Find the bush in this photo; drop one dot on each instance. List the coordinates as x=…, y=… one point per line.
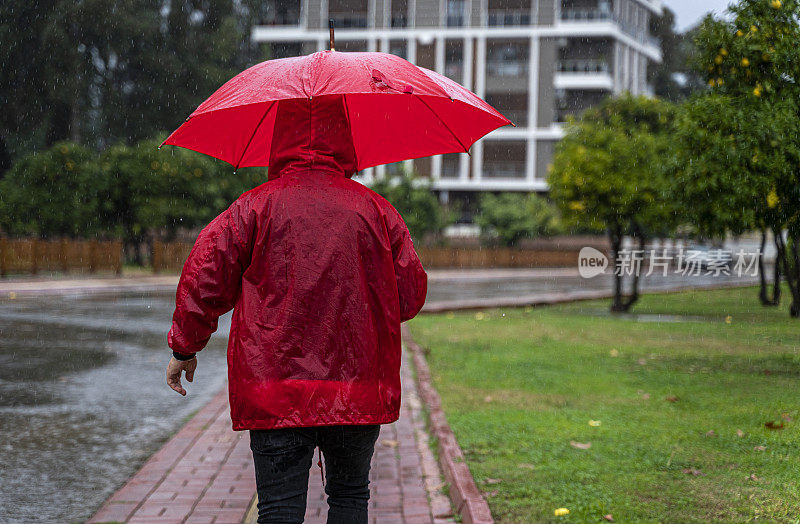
x=510, y=217
x=416, y=203
x=51, y=193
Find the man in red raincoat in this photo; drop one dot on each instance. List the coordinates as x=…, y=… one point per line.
x=320, y=271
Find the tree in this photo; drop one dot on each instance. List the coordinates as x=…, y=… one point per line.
x=514, y=216
x=149, y=192
x=752, y=64
x=673, y=79
x=53, y=193
x=608, y=172
x=416, y=203
x=102, y=72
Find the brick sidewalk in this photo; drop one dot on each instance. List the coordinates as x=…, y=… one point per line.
x=204, y=474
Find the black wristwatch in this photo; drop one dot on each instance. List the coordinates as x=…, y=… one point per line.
x=183, y=356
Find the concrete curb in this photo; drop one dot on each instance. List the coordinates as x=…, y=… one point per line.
x=464, y=494
x=560, y=297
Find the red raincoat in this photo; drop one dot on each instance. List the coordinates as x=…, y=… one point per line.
x=320, y=272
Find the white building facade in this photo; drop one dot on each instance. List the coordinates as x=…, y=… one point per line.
x=536, y=61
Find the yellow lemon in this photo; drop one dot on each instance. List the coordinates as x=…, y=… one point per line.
x=757, y=91
x=720, y=81
x=776, y=4
x=753, y=29
x=739, y=33
x=745, y=62
x=718, y=59
x=723, y=52
x=560, y=512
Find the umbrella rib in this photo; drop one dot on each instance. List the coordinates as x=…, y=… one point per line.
x=350, y=122
x=253, y=135
x=466, y=150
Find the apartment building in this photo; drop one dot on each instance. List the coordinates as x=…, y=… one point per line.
x=536, y=61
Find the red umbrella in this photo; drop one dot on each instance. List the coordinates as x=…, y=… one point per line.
x=395, y=110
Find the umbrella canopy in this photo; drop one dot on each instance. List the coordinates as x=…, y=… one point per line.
x=393, y=111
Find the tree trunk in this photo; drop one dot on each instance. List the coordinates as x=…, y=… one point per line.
x=790, y=259
x=615, y=239
x=762, y=275
x=619, y=302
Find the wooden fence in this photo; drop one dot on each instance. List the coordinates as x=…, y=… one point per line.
x=30, y=256
x=171, y=256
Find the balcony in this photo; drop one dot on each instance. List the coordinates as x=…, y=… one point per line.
x=509, y=17
x=586, y=14
x=510, y=69
x=604, y=14
x=584, y=65
x=504, y=169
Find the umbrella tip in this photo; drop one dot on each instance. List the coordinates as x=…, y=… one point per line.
x=512, y=123
x=330, y=28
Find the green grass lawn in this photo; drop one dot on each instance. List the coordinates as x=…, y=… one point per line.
x=682, y=403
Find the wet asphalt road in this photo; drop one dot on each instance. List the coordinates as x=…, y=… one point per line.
x=83, y=400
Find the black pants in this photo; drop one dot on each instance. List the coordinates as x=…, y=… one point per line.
x=283, y=459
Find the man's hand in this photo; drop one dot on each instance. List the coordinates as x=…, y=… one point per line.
x=174, y=370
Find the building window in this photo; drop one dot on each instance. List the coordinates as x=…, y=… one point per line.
x=455, y=13
x=348, y=13
x=279, y=12
x=454, y=60
x=508, y=59
x=399, y=48
x=503, y=13
x=399, y=13
x=451, y=165
x=504, y=159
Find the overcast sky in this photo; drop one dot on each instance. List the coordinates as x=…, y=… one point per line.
x=690, y=12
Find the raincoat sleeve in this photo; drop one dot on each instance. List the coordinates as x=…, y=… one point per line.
x=412, y=281
x=211, y=279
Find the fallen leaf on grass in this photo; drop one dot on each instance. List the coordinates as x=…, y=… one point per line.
x=692, y=471
x=773, y=425
x=608, y=517
x=493, y=481
x=646, y=396
x=487, y=398
x=760, y=448
x=526, y=466
x=490, y=493
x=711, y=433
x=614, y=353
x=595, y=423
x=642, y=361
x=671, y=398
x=739, y=433
x=580, y=445
x=560, y=512
x=786, y=417
x=753, y=477
x=390, y=443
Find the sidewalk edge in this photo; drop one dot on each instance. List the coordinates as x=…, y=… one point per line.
x=464, y=494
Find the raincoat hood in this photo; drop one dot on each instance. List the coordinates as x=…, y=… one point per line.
x=312, y=134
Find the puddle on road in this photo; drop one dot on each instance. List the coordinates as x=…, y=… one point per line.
x=83, y=399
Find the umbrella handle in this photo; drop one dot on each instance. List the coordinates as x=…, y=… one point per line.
x=330, y=27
